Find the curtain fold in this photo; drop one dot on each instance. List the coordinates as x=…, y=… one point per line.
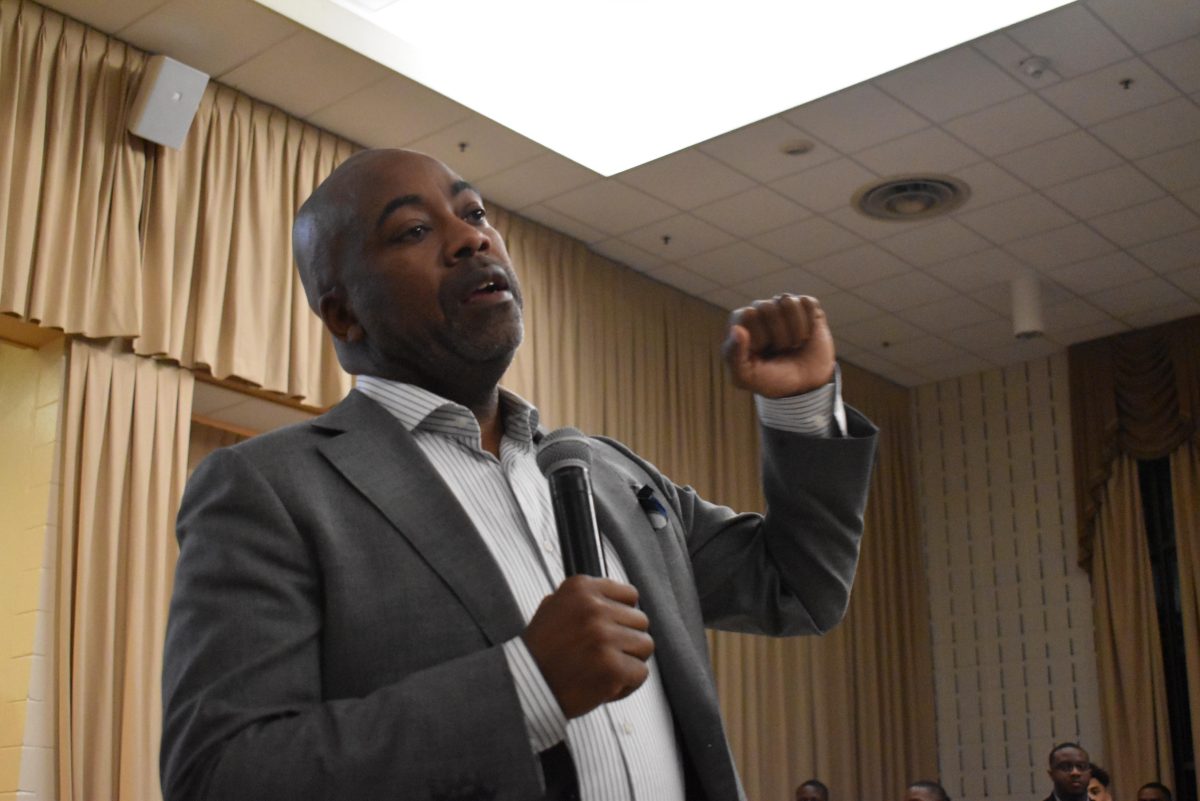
x=1185, y=489
x=1136, y=393
x=1133, y=695
x=126, y=423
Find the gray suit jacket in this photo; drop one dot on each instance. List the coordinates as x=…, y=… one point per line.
x=335, y=626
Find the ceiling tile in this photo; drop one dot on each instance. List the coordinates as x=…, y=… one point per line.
x=1008, y=54
x=686, y=179
x=806, y=240
x=1188, y=280
x=304, y=73
x=1102, y=192
x=1154, y=220
x=756, y=150
x=1093, y=275
x=1149, y=25
x=878, y=366
x=930, y=150
x=1191, y=199
x=922, y=351
x=107, y=17
x=1152, y=130
x=967, y=364
x=1098, y=96
x=792, y=279
x=1071, y=156
x=1180, y=63
x=1163, y=314
x=1022, y=350
x=984, y=335
x=857, y=266
x=753, y=212
x=999, y=297
x=844, y=308
x=611, y=206
x=214, y=36
x=1072, y=38
x=1149, y=293
x=1176, y=170
x=687, y=237
x=950, y=84
x=490, y=147
x=1011, y=125
x=564, y=223
x=869, y=227
x=622, y=252
x=390, y=113
x=939, y=241
x=533, y=181
x=1017, y=218
x=827, y=187
x=988, y=184
x=1171, y=253
x=1061, y=246
x=904, y=291
x=948, y=314
x=978, y=270
x=856, y=118
x=734, y=263
x=1087, y=333
x=727, y=298
x=682, y=279
x=874, y=331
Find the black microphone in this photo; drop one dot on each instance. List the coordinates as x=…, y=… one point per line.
x=565, y=458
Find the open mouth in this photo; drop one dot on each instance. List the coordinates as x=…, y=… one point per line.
x=492, y=288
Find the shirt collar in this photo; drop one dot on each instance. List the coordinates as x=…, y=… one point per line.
x=418, y=409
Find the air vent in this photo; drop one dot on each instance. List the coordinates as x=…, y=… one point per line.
x=911, y=197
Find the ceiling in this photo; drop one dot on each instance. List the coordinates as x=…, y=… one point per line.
x=1088, y=174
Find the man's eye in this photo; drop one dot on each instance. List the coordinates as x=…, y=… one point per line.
x=414, y=234
x=477, y=215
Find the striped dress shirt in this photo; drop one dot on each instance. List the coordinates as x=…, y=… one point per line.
x=624, y=750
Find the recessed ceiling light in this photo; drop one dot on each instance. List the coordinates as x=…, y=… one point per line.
x=614, y=85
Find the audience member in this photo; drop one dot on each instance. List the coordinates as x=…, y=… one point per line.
x=812, y=790
x=1100, y=785
x=1070, y=770
x=926, y=790
x=1153, y=791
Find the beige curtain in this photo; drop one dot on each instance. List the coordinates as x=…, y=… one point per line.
x=126, y=422
x=204, y=439
x=1133, y=695
x=1185, y=489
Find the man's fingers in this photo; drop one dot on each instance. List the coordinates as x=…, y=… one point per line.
x=779, y=333
x=797, y=313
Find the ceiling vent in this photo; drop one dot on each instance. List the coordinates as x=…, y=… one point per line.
x=911, y=197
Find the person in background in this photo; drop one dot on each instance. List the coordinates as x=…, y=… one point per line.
x=1099, y=786
x=1070, y=771
x=1154, y=791
x=812, y=790
x=926, y=790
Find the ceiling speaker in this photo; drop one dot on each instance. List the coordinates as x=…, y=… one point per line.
x=166, y=101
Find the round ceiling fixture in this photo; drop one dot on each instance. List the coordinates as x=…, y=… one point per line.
x=910, y=197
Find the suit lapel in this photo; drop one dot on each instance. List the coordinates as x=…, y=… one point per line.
x=382, y=461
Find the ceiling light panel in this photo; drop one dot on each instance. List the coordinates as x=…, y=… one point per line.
x=614, y=85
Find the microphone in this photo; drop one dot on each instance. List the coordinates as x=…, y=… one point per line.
x=565, y=458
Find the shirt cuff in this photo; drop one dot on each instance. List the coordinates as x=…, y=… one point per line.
x=544, y=719
x=818, y=413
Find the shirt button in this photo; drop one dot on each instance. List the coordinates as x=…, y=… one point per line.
x=628, y=727
x=548, y=545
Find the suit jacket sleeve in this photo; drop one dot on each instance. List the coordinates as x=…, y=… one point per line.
x=246, y=714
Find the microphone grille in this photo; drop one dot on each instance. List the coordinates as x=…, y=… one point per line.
x=563, y=447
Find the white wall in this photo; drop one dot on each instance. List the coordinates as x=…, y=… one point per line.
x=1015, y=668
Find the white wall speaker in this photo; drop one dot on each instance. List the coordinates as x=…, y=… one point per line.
x=166, y=101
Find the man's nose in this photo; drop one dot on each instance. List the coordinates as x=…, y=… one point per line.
x=465, y=241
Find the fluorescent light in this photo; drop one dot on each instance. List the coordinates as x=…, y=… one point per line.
x=616, y=84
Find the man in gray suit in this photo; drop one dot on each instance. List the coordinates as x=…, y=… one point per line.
x=371, y=605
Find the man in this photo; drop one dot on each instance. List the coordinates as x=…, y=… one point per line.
x=925, y=790
x=1099, y=786
x=371, y=605
x=812, y=790
x=1154, y=791
x=1070, y=770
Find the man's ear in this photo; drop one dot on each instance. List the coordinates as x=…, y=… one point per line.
x=338, y=317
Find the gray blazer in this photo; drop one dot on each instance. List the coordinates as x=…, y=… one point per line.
x=335, y=626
